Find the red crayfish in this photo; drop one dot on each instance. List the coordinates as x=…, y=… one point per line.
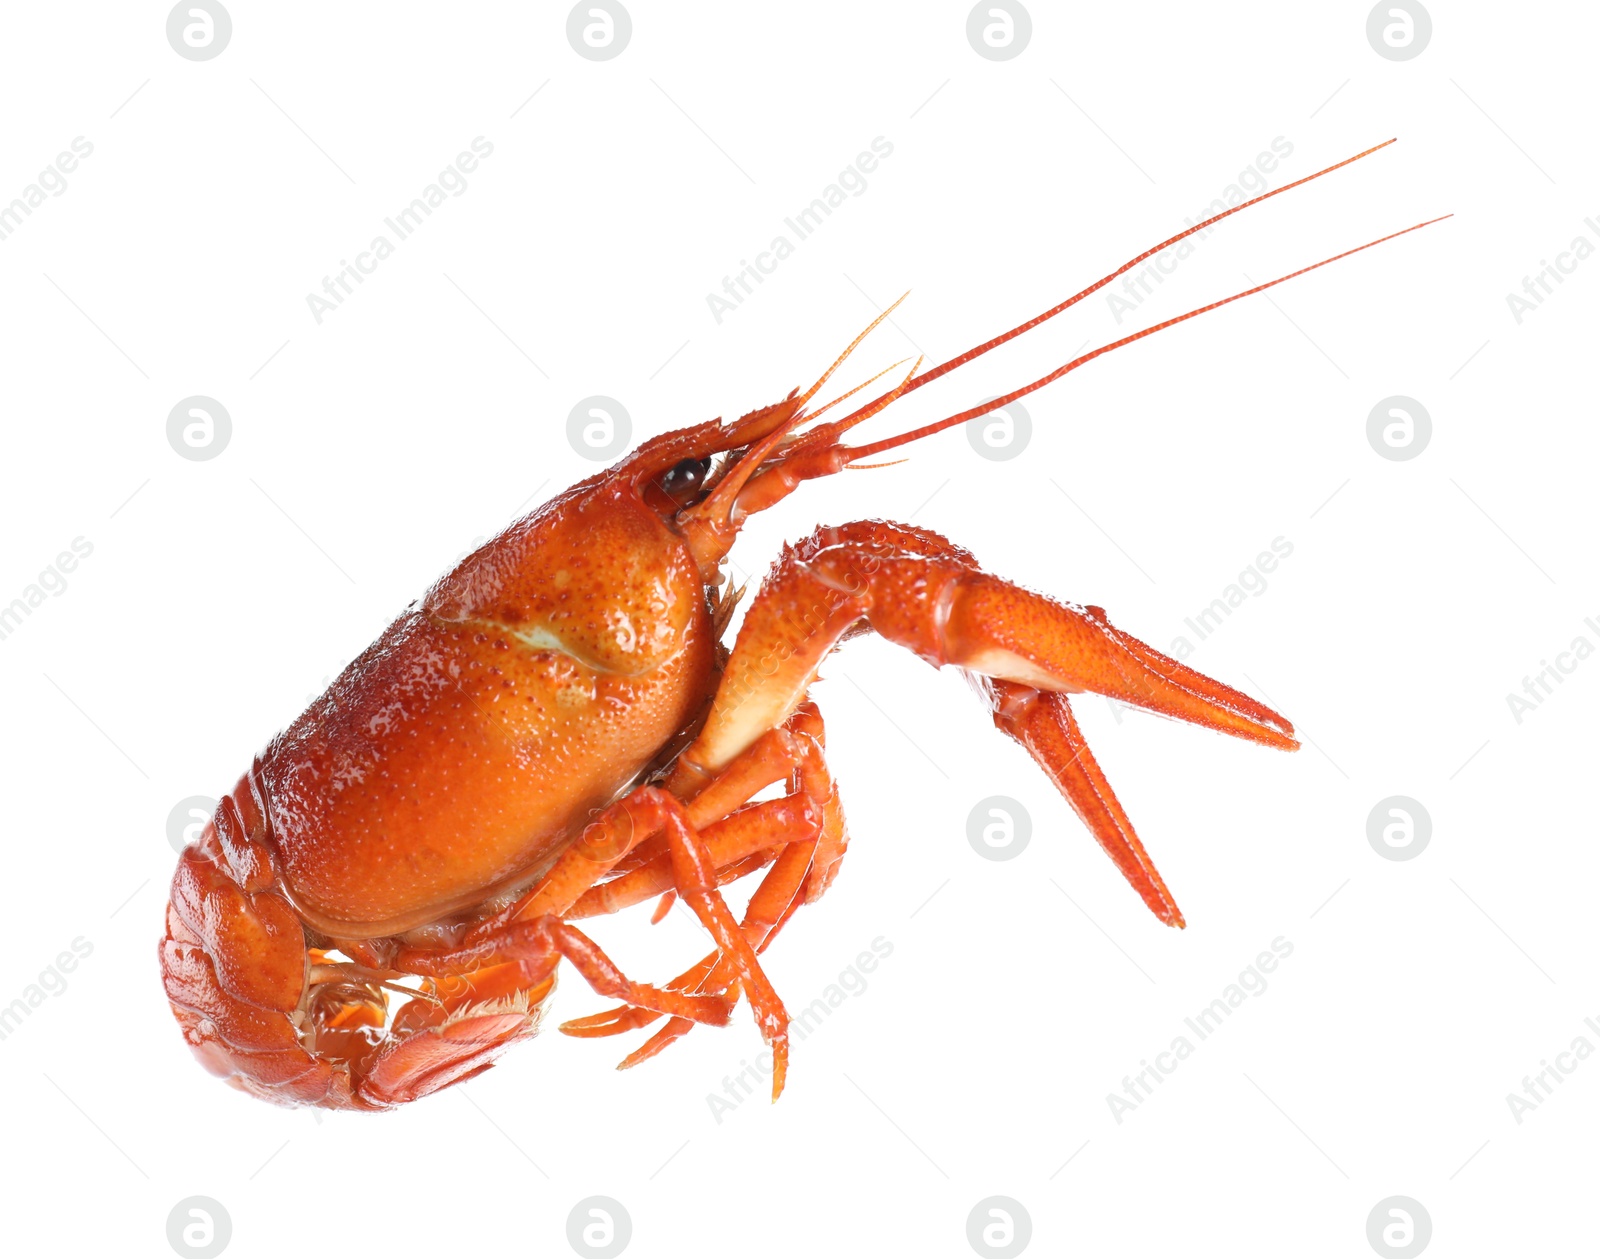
x=378, y=908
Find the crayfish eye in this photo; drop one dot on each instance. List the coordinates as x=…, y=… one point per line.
x=682, y=482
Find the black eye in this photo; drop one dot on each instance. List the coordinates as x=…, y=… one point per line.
x=683, y=482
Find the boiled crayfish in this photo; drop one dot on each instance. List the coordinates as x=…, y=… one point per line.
x=556, y=732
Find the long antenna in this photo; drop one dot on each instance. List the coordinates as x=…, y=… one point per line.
x=853, y=453
x=933, y=373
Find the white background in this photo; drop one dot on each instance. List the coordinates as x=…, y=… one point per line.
x=372, y=450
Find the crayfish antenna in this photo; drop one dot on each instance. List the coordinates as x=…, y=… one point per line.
x=765, y=428
x=712, y=524
x=778, y=461
x=876, y=376
x=818, y=452
x=709, y=524
x=851, y=453
x=851, y=348
x=949, y=365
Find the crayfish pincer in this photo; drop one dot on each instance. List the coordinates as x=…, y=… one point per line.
x=378, y=909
